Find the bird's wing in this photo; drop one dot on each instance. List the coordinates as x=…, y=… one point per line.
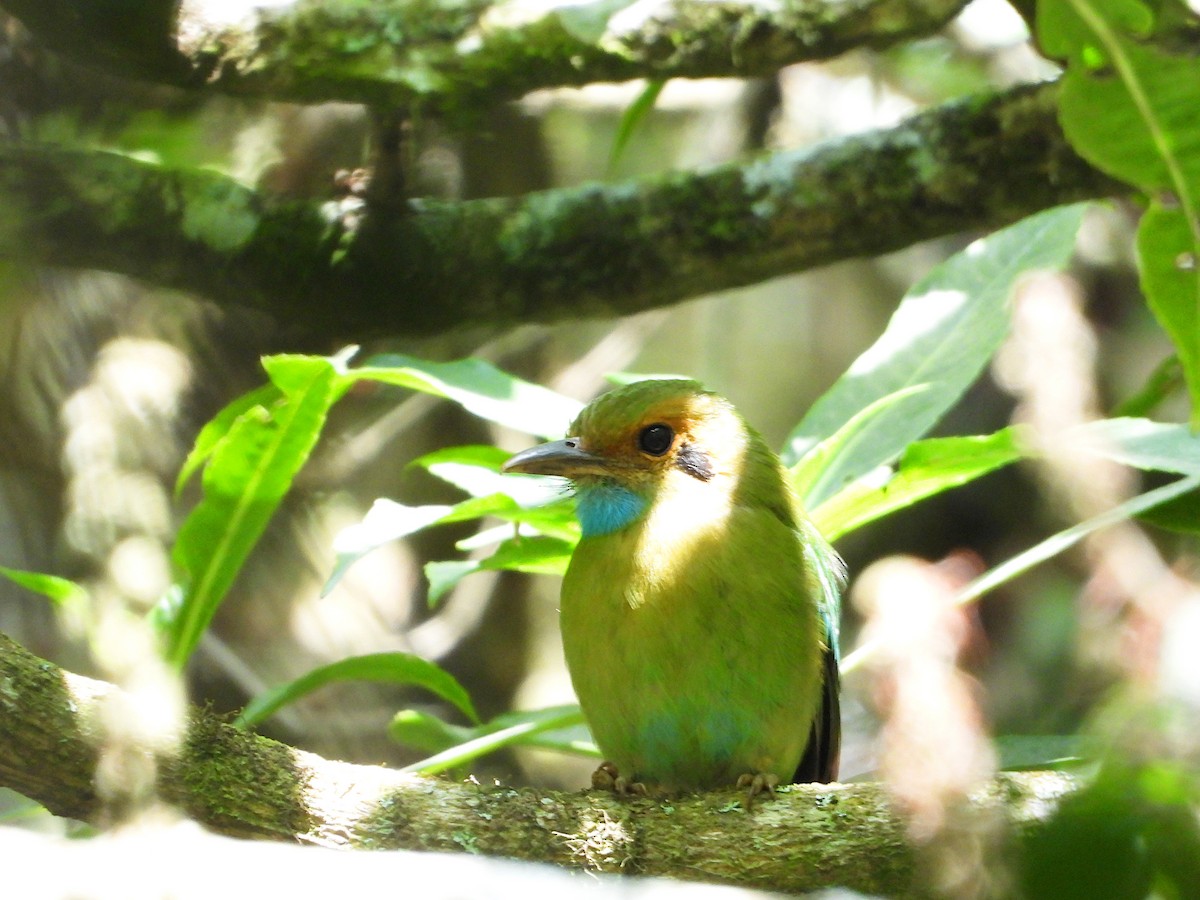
x=828, y=573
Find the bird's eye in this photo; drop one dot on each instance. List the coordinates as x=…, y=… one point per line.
x=656, y=439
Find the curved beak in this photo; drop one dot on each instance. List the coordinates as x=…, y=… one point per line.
x=565, y=458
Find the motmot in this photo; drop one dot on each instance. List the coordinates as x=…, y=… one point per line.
x=699, y=609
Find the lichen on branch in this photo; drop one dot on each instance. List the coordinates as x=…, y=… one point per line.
x=456, y=54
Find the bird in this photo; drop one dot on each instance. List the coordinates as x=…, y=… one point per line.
x=699, y=608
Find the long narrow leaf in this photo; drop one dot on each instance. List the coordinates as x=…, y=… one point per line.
x=1039, y=553
x=926, y=468
x=59, y=590
x=812, y=476
x=393, y=668
x=480, y=388
x=248, y=472
x=942, y=335
x=529, y=725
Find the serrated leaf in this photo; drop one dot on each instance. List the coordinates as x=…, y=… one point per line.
x=481, y=389
x=942, y=335
x=926, y=468
x=248, y=471
x=392, y=668
x=60, y=591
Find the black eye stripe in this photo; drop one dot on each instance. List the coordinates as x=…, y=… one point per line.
x=656, y=439
x=695, y=462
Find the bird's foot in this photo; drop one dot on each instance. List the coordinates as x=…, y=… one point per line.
x=608, y=778
x=757, y=783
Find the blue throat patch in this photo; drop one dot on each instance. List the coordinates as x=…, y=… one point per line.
x=605, y=506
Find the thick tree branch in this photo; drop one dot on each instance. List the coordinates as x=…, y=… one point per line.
x=594, y=250
x=461, y=54
x=241, y=784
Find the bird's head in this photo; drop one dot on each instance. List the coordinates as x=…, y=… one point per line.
x=647, y=441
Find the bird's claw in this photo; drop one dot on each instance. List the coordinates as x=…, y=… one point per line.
x=608, y=778
x=757, y=783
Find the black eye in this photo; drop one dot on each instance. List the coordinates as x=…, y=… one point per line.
x=656, y=439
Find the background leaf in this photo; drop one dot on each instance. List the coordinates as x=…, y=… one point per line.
x=1129, y=108
x=480, y=388
x=942, y=335
x=926, y=468
x=59, y=590
x=394, y=668
x=249, y=469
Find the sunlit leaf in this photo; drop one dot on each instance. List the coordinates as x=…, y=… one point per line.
x=1140, y=443
x=1050, y=547
x=510, y=730
x=61, y=591
x=392, y=668
x=218, y=427
x=812, y=475
x=481, y=389
x=1128, y=107
x=248, y=471
x=536, y=554
x=942, y=335
x=926, y=468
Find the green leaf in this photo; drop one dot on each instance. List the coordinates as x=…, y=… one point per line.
x=480, y=388
x=484, y=455
x=218, y=427
x=811, y=476
x=505, y=731
x=1162, y=384
x=1140, y=443
x=427, y=732
x=388, y=521
x=1023, y=752
x=926, y=468
x=1050, y=547
x=633, y=116
x=588, y=21
x=1169, y=259
x=1181, y=515
x=61, y=591
x=537, y=555
x=942, y=335
x=393, y=668
x=1128, y=107
x=444, y=575
x=249, y=470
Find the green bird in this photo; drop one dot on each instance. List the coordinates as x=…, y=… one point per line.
x=699, y=609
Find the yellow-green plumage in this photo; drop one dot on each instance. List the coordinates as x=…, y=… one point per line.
x=693, y=608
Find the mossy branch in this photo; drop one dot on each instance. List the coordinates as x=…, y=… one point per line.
x=593, y=250
x=452, y=55
x=238, y=783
